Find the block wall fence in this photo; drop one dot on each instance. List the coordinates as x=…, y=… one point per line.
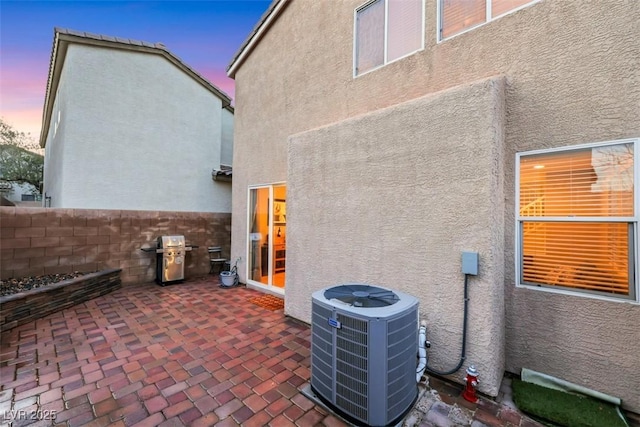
x=37, y=241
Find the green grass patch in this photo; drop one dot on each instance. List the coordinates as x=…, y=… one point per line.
x=564, y=409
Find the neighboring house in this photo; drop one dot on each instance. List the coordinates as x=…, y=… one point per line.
x=20, y=193
x=128, y=125
x=400, y=136
x=21, y=170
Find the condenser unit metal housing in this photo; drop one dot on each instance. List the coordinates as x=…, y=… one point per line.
x=364, y=344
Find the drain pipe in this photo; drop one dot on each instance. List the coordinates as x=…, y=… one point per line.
x=463, y=354
x=422, y=350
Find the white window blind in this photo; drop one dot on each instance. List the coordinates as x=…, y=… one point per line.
x=577, y=220
x=500, y=7
x=370, y=37
x=457, y=16
x=387, y=30
x=405, y=28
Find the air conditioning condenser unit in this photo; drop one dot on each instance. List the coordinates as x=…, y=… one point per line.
x=364, y=346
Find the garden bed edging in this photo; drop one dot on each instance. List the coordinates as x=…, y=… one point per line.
x=20, y=308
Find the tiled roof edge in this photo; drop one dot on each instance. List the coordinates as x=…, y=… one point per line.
x=74, y=36
x=107, y=38
x=263, y=24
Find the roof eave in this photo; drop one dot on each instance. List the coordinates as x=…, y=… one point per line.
x=263, y=25
x=53, y=79
x=224, y=174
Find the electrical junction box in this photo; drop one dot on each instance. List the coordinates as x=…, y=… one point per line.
x=470, y=263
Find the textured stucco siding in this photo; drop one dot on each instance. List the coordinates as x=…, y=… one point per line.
x=54, y=156
x=140, y=134
x=571, y=76
x=226, y=148
x=558, y=334
x=393, y=198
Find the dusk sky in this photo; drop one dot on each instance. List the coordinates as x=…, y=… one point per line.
x=204, y=34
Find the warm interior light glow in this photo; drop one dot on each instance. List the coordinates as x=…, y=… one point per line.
x=588, y=255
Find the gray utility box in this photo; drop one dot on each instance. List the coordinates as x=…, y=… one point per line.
x=470, y=263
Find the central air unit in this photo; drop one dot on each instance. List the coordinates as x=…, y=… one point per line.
x=364, y=344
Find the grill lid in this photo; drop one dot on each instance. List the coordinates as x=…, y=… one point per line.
x=171, y=242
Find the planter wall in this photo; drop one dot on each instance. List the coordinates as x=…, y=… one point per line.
x=33, y=304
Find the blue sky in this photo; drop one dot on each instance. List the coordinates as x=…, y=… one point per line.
x=204, y=34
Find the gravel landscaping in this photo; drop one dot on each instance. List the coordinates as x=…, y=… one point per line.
x=14, y=286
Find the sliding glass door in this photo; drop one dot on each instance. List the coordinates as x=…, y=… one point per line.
x=267, y=231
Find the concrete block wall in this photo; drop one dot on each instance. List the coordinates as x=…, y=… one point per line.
x=38, y=241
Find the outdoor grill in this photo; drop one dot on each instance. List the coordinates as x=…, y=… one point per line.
x=170, y=253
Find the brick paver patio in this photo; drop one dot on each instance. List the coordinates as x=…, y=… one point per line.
x=187, y=354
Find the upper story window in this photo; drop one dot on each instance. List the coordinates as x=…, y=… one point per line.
x=577, y=213
x=386, y=30
x=457, y=16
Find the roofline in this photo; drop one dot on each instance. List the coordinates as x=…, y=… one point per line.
x=266, y=20
x=64, y=37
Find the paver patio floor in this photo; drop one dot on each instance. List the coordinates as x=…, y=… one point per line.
x=185, y=354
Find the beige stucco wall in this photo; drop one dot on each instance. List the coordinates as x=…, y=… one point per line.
x=561, y=335
x=393, y=198
x=572, y=77
x=139, y=133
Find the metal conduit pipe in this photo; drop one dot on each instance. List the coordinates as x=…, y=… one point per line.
x=463, y=355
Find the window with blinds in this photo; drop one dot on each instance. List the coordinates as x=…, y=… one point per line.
x=387, y=30
x=457, y=16
x=577, y=219
x=370, y=36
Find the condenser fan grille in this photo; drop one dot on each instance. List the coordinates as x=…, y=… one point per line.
x=362, y=295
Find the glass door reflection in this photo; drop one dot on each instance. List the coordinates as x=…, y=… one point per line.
x=267, y=235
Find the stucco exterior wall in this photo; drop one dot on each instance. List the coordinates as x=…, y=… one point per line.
x=54, y=156
x=226, y=149
x=558, y=334
x=139, y=134
x=393, y=198
x=572, y=77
